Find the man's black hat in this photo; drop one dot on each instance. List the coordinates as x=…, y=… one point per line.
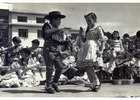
x=54, y=14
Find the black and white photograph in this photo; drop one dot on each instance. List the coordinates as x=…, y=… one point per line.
x=70, y=49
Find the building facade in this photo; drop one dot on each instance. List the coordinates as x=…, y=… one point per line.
x=4, y=27
x=26, y=25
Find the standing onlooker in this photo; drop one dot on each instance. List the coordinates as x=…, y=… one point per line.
x=137, y=45
x=53, y=40
x=126, y=41
x=12, y=52
x=137, y=40
x=36, y=54
x=116, y=49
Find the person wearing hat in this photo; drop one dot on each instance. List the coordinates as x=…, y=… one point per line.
x=52, y=41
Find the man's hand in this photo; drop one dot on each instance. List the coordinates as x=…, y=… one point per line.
x=81, y=30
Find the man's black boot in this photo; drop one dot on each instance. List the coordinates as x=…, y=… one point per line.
x=54, y=85
x=50, y=90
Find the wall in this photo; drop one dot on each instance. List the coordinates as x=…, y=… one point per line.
x=6, y=6
x=32, y=31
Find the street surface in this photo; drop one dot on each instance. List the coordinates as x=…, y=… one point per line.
x=107, y=90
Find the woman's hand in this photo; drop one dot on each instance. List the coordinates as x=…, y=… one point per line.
x=81, y=34
x=81, y=31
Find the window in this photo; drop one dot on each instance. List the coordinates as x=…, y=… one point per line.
x=1, y=33
x=40, y=20
x=23, y=33
x=22, y=19
x=2, y=18
x=39, y=33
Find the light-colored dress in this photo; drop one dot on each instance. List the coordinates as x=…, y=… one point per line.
x=90, y=48
x=28, y=79
x=117, y=47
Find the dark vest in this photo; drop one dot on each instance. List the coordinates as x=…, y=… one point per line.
x=49, y=38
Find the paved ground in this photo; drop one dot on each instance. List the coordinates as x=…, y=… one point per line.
x=107, y=90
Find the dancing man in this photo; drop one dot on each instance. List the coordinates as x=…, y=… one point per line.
x=53, y=40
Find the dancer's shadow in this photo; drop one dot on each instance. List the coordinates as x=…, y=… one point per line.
x=23, y=91
x=41, y=91
x=72, y=90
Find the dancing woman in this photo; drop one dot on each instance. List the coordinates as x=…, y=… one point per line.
x=92, y=49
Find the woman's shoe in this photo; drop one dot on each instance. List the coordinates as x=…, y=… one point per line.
x=89, y=90
x=97, y=87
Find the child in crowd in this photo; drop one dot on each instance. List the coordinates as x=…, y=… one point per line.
x=137, y=53
x=126, y=40
x=66, y=50
x=2, y=56
x=137, y=42
x=116, y=49
x=36, y=52
x=77, y=44
x=12, y=52
x=27, y=76
x=68, y=60
x=116, y=44
x=19, y=73
x=129, y=48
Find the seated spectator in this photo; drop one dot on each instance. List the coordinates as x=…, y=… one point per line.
x=66, y=50
x=2, y=56
x=126, y=40
x=116, y=49
x=137, y=41
x=12, y=52
x=36, y=52
x=136, y=54
x=21, y=70
x=68, y=59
